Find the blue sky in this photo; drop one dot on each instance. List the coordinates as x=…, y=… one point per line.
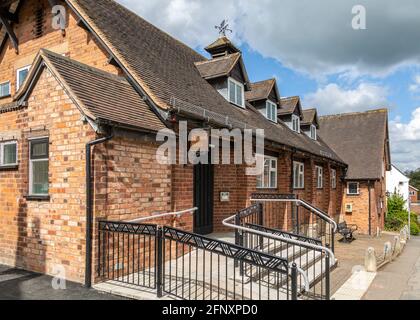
x=314, y=50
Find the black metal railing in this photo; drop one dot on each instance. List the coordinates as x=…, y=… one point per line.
x=190, y=266
x=126, y=253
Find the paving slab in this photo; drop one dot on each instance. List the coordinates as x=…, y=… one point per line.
x=18, y=284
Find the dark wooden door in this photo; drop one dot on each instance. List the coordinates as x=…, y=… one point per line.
x=203, y=198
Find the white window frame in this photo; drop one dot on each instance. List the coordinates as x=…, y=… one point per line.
x=2, y=144
x=319, y=177
x=272, y=171
x=298, y=175
x=268, y=110
x=18, y=75
x=31, y=161
x=313, y=134
x=10, y=89
x=295, y=120
x=236, y=83
x=333, y=179
x=348, y=188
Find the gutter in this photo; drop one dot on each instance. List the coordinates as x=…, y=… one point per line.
x=89, y=208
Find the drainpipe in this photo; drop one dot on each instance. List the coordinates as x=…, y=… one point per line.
x=89, y=211
x=370, y=209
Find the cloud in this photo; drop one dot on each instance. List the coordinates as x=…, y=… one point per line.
x=405, y=141
x=333, y=99
x=315, y=37
x=415, y=87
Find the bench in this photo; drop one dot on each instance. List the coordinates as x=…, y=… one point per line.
x=347, y=231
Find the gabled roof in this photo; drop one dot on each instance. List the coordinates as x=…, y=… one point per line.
x=101, y=96
x=414, y=188
x=261, y=90
x=310, y=116
x=222, y=67
x=289, y=105
x=222, y=44
x=360, y=139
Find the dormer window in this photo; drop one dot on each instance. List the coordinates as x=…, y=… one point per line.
x=313, y=132
x=271, y=111
x=236, y=93
x=296, y=123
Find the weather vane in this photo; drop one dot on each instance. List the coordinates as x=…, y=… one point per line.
x=224, y=28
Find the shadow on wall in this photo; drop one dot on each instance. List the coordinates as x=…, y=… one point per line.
x=30, y=248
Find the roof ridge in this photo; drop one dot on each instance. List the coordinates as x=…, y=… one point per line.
x=262, y=81
x=290, y=98
x=381, y=110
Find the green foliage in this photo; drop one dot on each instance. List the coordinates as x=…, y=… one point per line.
x=397, y=216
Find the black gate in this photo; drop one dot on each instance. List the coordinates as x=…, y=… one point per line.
x=203, y=198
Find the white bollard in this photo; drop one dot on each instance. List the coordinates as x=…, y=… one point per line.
x=388, y=251
x=370, y=260
x=397, y=249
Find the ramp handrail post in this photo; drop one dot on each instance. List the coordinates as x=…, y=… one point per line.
x=327, y=277
x=159, y=261
x=294, y=275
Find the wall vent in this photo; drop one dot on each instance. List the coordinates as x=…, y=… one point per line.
x=39, y=22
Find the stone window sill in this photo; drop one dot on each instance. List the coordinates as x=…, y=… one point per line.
x=38, y=198
x=11, y=167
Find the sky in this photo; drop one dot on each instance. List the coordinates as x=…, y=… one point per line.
x=338, y=56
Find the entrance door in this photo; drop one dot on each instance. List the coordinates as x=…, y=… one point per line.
x=203, y=198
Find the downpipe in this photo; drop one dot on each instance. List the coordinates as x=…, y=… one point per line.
x=89, y=207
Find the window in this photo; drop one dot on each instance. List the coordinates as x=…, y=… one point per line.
x=21, y=76
x=313, y=132
x=271, y=111
x=333, y=178
x=8, y=154
x=319, y=177
x=269, y=179
x=353, y=188
x=38, y=167
x=236, y=92
x=296, y=123
x=298, y=175
x=5, y=89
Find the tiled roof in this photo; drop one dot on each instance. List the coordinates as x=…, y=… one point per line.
x=310, y=117
x=359, y=139
x=288, y=105
x=102, y=96
x=218, y=67
x=260, y=90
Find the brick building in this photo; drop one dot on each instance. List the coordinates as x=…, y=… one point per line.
x=79, y=111
x=414, y=194
x=362, y=140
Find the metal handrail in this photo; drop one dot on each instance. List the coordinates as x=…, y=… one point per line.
x=164, y=215
x=305, y=204
x=227, y=223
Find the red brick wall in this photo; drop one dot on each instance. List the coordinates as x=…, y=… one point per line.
x=37, y=235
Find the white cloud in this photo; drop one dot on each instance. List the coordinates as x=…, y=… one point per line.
x=315, y=37
x=405, y=141
x=415, y=87
x=333, y=99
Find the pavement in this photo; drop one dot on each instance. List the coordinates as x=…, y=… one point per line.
x=18, y=284
x=351, y=258
x=399, y=280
